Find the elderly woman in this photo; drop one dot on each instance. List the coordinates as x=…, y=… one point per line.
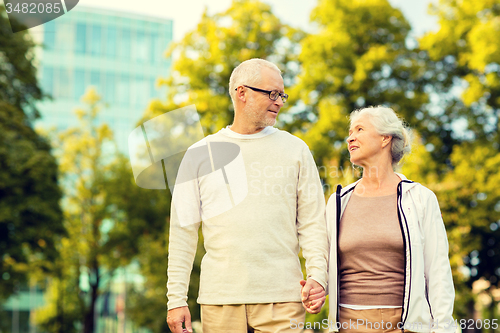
x=388, y=263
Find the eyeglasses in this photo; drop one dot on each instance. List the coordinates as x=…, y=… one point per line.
x=273, y=94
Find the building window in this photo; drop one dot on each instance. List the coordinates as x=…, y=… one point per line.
x=156, y=51
x=123, y=90
x=64, y=89
x=109, y=92
x=49, y=35
x=125, y=44
x=138, y=91
x=81, y=38
x=95, y=48
x=95, y=80
x=141, y=47
x=110, y=45
x=143, y=90
x=48, y=80
x=64, y=36
x=152, y=88
x=79, y=84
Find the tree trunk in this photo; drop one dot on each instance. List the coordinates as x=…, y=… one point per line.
x=89, y=324
x=471, y=315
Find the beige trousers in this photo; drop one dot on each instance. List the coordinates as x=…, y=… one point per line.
x=370, y=321
x=245, y=318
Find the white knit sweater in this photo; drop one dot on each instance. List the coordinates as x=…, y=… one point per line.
x=255, y=212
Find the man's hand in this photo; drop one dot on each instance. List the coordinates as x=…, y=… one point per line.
x=313, y=296
x=176, y=317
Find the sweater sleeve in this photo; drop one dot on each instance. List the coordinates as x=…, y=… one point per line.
x=181, y=252
x=185, y=220
x=438, y=275
x=311, y=224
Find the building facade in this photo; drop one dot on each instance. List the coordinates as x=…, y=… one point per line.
x=121, y=54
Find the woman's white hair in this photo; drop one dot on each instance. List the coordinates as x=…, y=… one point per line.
x=387, y=122
x=249, y=73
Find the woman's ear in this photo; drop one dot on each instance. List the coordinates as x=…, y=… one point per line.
x=386, y=140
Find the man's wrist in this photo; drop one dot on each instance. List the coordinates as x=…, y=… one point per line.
x=321, y=283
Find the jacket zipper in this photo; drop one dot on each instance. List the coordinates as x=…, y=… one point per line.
x=339, y=207
x=339, y=215
x=407, y=245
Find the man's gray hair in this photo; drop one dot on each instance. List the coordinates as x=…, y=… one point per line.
x=387, y=122
x=248, y=73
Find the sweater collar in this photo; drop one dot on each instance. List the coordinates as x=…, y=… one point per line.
x=265, y=132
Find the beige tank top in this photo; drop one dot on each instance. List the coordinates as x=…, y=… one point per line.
x=371, y=252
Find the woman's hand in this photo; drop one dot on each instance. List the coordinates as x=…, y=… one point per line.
x=313, y=296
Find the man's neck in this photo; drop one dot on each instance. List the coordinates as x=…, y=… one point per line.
x=245, y=130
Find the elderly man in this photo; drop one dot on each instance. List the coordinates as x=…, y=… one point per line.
x=269, y=205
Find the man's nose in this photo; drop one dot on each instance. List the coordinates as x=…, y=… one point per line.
x=279, y=102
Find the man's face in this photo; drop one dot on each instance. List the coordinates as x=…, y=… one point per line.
x=259, y=109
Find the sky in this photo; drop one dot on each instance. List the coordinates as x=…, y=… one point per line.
x=187, y=13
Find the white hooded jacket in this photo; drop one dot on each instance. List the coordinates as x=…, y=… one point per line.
x=428, y=286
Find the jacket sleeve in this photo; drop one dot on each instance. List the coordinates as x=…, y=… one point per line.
x=331, y=223
x=439, y=281
x=330, y=217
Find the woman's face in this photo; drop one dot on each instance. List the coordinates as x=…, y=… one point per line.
x=364, y=143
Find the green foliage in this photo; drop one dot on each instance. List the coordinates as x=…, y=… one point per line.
x=18, y=84
x=357, y=58
x=30, y=216
x=153, y=262
x=207, y=56
x=142, y=234
x=109, y=222
x=86, y=155
x=200, y=76
x=468, y=43
x=360, y=56
x=470, y=201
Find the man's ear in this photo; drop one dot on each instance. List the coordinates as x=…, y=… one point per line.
x=386, y=140
x=240, y=94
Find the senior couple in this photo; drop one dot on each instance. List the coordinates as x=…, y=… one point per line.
x=380, y=251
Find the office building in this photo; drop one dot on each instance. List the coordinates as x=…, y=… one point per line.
x=120, y=54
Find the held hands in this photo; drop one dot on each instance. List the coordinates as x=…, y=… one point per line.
x=313, y=296
x=176, y=317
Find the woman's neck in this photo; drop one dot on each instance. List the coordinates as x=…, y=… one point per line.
x=378, y=181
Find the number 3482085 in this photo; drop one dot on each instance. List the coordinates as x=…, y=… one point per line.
x=34, y=8
x=472, y=324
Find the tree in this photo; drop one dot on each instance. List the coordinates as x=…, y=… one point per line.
x=471, y=210
x=18, y=86
x=109, y=222
x=86, y=155
x=358, y=57
x=143, y=237
x=468, y=43
x=30, y=216
x=207, y=56
x=205, y=59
